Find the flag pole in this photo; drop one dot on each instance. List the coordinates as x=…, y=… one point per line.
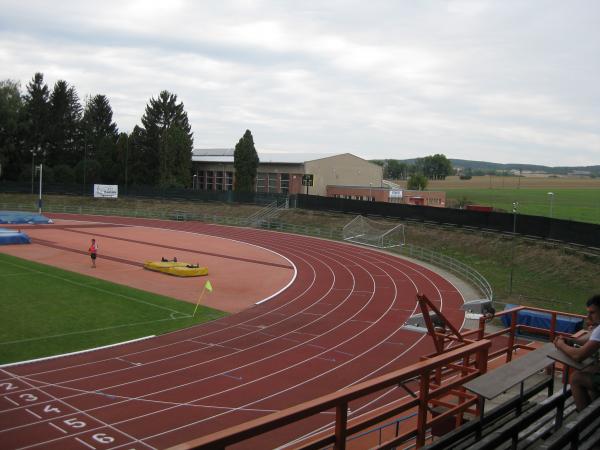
x=198, y=302
x=207, y=286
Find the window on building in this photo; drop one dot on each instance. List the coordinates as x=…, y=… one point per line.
x=219, y=180
x=210, y=180
x=201, y=180
x=261, y=182
x=285, y=183
x=272, y=182
x=229, y=181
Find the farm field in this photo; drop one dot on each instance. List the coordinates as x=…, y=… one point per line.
x=573, y=198
x=47, y=311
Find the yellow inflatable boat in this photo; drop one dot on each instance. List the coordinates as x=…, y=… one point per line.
x=178, y=269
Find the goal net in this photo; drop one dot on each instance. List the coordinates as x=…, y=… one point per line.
x=376, y=234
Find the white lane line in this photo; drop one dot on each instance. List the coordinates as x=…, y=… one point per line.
x=85, y=443
x=58, y=428
x=11, y=401
x=33, y=414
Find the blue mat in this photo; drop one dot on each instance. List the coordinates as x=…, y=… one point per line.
x=564, y=324
x=13, y=237
x=22, y=217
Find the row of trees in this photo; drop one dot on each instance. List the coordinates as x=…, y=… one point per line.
x=82, y=143
x=435, y=167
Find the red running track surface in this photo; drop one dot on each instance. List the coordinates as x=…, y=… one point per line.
x=337, y=324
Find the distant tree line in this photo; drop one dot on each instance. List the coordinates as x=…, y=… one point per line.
x=435, y=167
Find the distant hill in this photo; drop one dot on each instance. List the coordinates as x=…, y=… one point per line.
x=485, y=166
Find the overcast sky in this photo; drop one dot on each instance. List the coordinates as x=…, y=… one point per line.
x=508, y=81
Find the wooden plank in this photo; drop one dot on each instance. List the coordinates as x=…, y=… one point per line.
x=497, y=381
x=562, y=357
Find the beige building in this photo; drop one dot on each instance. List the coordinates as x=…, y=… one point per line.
x=344, y=169
x=282, y=173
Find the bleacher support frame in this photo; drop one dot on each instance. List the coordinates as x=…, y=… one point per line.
x=440, y=375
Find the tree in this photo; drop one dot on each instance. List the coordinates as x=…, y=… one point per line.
x=36, y=115
x=138, y=171
x=100, y=136
x=245, y=162
x=12, y=159
x=98, y=123
x=166, y=142
x=395, y=170
x=442, y=166
x=64, y=125
x=436, y=167
x=417, y=182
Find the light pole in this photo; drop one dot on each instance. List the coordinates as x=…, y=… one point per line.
x=512, y=255
x=551, y=195
x=370, y=191
x=34, y=151
x=194, y=182
x=126, y=160
x=40, y=197
x=84, y=160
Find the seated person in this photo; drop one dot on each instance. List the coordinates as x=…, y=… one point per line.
x=585, y=384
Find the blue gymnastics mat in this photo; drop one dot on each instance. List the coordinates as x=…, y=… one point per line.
x=13, y=237
x=19, y=217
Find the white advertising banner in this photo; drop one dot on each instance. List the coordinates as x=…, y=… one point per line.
x=106, y=190
x=395, y=194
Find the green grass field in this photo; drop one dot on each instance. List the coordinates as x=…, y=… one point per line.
x=581, y=205
x=47, y=311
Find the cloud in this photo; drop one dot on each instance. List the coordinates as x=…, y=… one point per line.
x=505, y=81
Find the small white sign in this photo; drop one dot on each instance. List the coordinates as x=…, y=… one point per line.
x=106, y=190
x=395, y=194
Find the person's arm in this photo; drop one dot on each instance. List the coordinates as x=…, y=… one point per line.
x=577, y=353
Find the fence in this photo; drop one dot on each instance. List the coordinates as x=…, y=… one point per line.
x=580, y=233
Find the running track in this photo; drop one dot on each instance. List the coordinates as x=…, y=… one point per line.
x=337, y=324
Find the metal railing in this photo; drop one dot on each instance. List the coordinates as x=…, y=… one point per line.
x=460, y=365
x=462, y=270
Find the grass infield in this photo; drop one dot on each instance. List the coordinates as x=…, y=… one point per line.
x=47, y=311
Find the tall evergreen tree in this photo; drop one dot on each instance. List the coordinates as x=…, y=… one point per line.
x=138, y=170
x=167, y=142
x=12, y=159
x=64, y=126
x=245, y=162
x=100, y=135
x=36, y=116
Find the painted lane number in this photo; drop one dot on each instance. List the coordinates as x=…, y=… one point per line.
x=103, y=438
x=51, y=409
x=8, y=387
x=74, y=423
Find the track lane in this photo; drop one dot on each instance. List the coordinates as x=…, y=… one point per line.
x=264, y=323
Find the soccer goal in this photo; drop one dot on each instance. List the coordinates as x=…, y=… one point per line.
x=363, y=230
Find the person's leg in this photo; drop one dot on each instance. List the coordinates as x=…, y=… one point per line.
x=581, y=387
